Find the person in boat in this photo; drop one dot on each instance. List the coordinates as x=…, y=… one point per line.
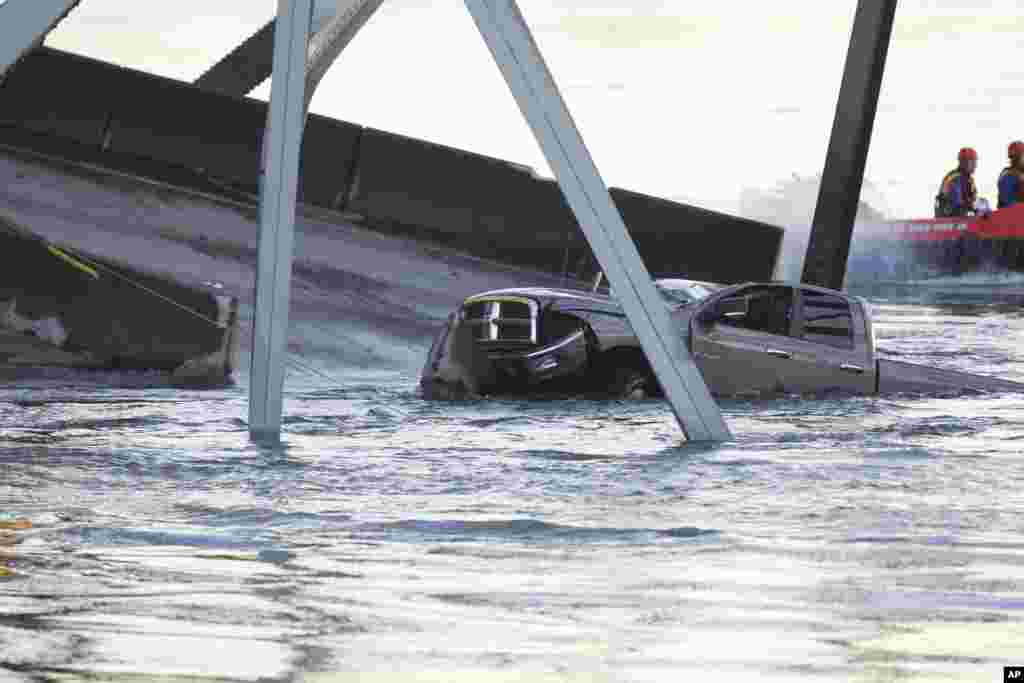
x=1011, y=180
x=958, y=193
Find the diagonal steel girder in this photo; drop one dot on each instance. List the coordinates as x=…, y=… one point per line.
x=24, y=25
x=518, y=57
x=337, y=24
x=243, y=69
x=828, y=248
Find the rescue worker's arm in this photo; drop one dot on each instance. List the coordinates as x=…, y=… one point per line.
x=1008, y=190
x=956, y=198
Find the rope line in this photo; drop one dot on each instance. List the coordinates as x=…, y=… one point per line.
x=167, y=299
x=290, y=357
x=313, y=371
x=73, y=262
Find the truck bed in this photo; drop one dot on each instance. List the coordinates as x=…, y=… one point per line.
x=899, y=377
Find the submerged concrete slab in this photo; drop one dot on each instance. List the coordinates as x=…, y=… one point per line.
x=25, y=349
x=61, y=307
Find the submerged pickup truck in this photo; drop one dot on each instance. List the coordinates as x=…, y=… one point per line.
x=752, y=339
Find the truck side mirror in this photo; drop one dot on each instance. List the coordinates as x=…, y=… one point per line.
x=730, y=308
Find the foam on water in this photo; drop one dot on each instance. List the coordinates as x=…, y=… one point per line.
x=983, y=278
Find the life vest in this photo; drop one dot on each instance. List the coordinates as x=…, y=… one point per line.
x=1010, y=170
x=943, y=204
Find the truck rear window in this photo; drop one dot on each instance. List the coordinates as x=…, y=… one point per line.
x=827, y=320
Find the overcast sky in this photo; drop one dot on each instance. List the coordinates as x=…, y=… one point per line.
x=683, y=99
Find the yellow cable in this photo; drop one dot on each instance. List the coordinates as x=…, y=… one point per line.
x=290, y=357
x=154, y=293
x=72, y=261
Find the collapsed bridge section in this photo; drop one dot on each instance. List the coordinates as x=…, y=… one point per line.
x=67, y=308
x=133, y=122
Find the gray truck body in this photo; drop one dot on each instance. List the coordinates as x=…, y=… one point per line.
x=752, y=339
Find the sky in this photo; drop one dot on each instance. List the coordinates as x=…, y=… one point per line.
x=693, y=101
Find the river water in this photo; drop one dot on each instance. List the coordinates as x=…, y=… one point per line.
x=867, y=539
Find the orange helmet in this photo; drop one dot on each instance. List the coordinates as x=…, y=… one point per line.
x=1015, y=149
x=967, y=154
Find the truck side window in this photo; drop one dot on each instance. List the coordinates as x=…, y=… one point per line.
x=769, y=309
x=827, y=319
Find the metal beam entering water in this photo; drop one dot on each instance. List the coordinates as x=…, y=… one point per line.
x=278, y=183
x=839, y=195
x=301, y=58
x=25, y=23
x=521, y=63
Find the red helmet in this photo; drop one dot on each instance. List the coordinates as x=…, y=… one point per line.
x=1015, y=149
x=967, y=154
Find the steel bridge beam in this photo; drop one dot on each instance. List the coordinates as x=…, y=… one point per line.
x=308, y=37
x=508, y=37
x=839, y=195
x=244, y=68
x=25, y=23
x=278, y=183
x=335, y=24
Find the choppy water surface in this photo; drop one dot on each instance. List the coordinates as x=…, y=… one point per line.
x=870, y=539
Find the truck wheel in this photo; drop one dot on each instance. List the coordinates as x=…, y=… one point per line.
x=632, y=383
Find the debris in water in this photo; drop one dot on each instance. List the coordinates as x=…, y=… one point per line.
x=14, y=524
x=272, y=555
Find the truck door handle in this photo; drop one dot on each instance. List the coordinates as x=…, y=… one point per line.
x=778, y=353
x=850, y=367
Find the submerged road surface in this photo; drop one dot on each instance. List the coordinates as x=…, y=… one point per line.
x=868, y=539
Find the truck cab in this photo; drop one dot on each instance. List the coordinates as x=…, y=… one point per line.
x=771, y=338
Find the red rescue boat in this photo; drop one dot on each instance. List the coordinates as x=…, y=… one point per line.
x=927, y=247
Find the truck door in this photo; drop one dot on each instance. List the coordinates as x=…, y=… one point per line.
x=744, y=352
x=829, y=351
